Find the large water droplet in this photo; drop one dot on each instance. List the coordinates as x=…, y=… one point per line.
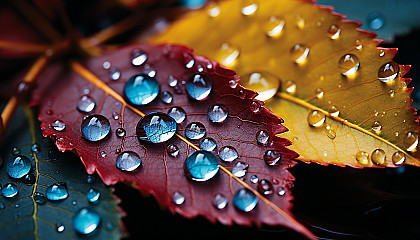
x=348, y=64
x=156, y=128
x=217, y=113
x=86, y=104
x=201, y=166
x=128, y=161
x=58, y=125
x=178, y=198
x=208, y=144
x=227, y=55
x=177, y=113
x=18, y=166
x=138, y=57
x=362, y=157
x=274, y=26
x=240, y=169
x=141, y=89
x=245, y=200
x=249, y=7
x=95, y=127
x=378, y=157
x=271, y=157
x=40, y=198
x=388, y=72
x=56, y=192
x=228, y=154
x=166, y=97
x=195, y=130
x=411, y=140
x=199, y=87
x=316, y=118
x=9, y=190
x=376, y=126
x=334, y=31
x=262, y=137
x=93, y=195
x=265, y=187
x=86, y=220
x=265, y=84
x=220, y=201
x=173, y=150
x=299, y=53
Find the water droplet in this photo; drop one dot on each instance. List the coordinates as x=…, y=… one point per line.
x=56, y=192
x=281, y=191
x=359, y=45
x=271, y=157
x=58, y=125
x=329, y=131
x=114, y=73
x=214, y=11
x=253, y=179
x=177, y=113
x=86, y=104
x=319, y=92
x=128, y=161
x=265, y=187
x=348, y=64
x=120, y=132
x=300, y=21
x=95, y=127
x=195, y=130
x=299, y=53
x=249, y=7
x=201, y=166
x=93, y=195
x=334, y=31
x=208, y=144
x=172, y=81
x=265, y=84
x=16, y=206
x=316, y=118
x=274, y=26
x=262, y=137
x=375, y=20
x=227, y=55
x=2, y=206
x=376, y=126
x=378, y=157
x=138, y=57
x=178, y=198
x=166, y=97
x=18, y=166
x=39, y=198
x=240, y=169
x=199, y=87
x=109, y=226
x=86, y=220
x=245, y=200
x=228, y=154
x=290, y=87
x=220, y=201
x=141, y=89
x=255, y=106
x=391, y=93
x=74, y=203
x=217, y=113
x=29, y=179
x=411, y=140
x=173, y=150
x=388, y=71
x=106, y=65
x=15, y=151
x=103, y=154
x=9, y=190
x=59, y=227
x=381, y=53
x=35, y=148
x=156, y=127
x=334, y=111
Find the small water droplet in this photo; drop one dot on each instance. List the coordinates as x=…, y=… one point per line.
x=329, y=131
x=39, y=198
x=138, y=57
x=58, y=125
x=265, y=187
x=334, y=31
x=115, y=116
x=265, y=84
x=262, y=137
x=86, y=104
x=299, y=53
x=375, y=20
x=56, y=192
x=381, y=53
x=172, y=81
x=156, y=128
x=245, y=200
x=90, y=179
x=274, y=26
x=290, y=87
x=255, y=106
x=240, y=169
x=15, y=150
x=281, y=191
x=35, y=148
x=348, y=64
x=253, y=179
x=9, y=190
x=376, y=127
x=128, y=161
x=359, y=45
x=228, y=154
x=120, y=132
x=316, y=118
x=208, y=144
x=411, y=140
x=220, y=201
x=271, y=157
x=74, y=203
x=388, y=72
x=103, y=154
x=217, y=113
x=141, y=89
x=319, y=92
x=199, y=87
x=59, y=227
x=29, y=179
x=201, y=166
x=18, y=166
x=106, y=65
x=114, y=73
x=172, y=150
x=166, y=97
x=16, y=206
x=227, y=55
x=398, y=158
x=93, y=195
x=249, y=7
x=391, y=93
x=300, y=21
x=334, y=111
x=95, y=127
x=2, y=206
x=195, y=131
x=378, y=157
x=178, y=114
x=214, y=11
x=86, y=221
x=362, y=157
x=109, y=226
x=178, y=198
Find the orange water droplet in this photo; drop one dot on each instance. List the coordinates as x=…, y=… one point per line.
x=348, y=64
x=334, y=111
x=378, y=157
x=265, y=84
x=388, y=71
x=227, y=55
x=290, y=87
x=391, y=93
x=214, y=11
x=316, y=118
x=376, y=126
x=398, y=158
x=249, y=7
x=274, y=26
x=359, y=45
x=362, y=157
x=299, y=53
x=300, y=21
x=411, y=140
x=329, y=131
x=334, y=31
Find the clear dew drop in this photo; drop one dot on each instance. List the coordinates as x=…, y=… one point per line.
x=58, y=125
x=74, y=203
x=59, y=227
x=103, y=154
x=228, y=153
x=271, y=157
x=334, y=31
x=319, y=92
x=262, y=137
x=199, y=87
x=86, y=221
x=141, y=89
x=265, y=84
x=265, y=187
x=95, y=127
x=195, y=131
x=378, y=157
x=201, y=166
x=86, y=104
x=172, y=81
x=178, y=114
x=106, y=65
x=138, y=57
x=411, y=140
x=362, y=157
x=253, y=179
x=128, y=161
x=359, y=45
x=376, y=126
x=208, y=144
x=274, y=26
x=172, y=150
x=220, y=201
x=255, y=106
x=35, y=148
x=245, y=200
x=240, y=169
x=398, y=158
x=156, y=128
x=90, y=179
x=178, y=198
x=334, y=111
x=114, y=73
x=391, y=93
x=56, y=192
x=39, y=198
x=348, y=64
x=18, y=166
x=388, y=72
x=299, y=53
x=329, y=131
x=120, y=132
x=249, y=7
x=281, y=191
x=290, y=87
x=115, y=115
x=316, y=118
x=15, y=150
x=217, y=113
x=93, y=195
x=227, y=55
x=9, y=190
x=166, y=97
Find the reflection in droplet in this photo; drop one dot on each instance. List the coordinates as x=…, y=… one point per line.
x=362, y=157
x=156, y=128
x=271, y=157
x=265, y=187
x=398, y=158
x=334, y=31
x=166, y=97
x=199, y=87
x=378, y=157
x=220, y=201
x=128, y=161
x=299, y=53
x=95, y=127
x=172, y=150
x=86, y=221
x=240, y=169
x=9, y=190
x=138, y=57
x=348, y=64
x=217, y=113
x=262, y=137
x=141, y=89
x=388, y=72
x=208, y=144
x=18, y=166
x=201, y=166
x=228, y=154
x=227, y=55
x=316, y=118
x=178, y=198
x=56, y=192
x=177, y=113
x=265, y=84
x=245, y=200
x=58, y=125
x=411, y=140
x=274, y=26
x=195, y=131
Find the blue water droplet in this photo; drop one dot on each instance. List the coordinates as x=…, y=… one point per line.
x=228, y=154
x=138, y=57
x=59, y=227
x=177, y=113
x=156, y=128
x=173, y=150
x=208, y=144
x=271, y=157
x=128, y=161
x=193, y=4
x=18, y=166
x=95, y=127
x=245, y=200
x=201, y=166
x=86, y=220
x=141, y=89
x=9, y=190
x=90, y=179
x=86, y=104
x=56, y=192
x=199, y=87
x=375, y=20
x=217, y=113
x=178, y=198
x=29, y=179
x=240, y=169
x=40, y=198
x=35, y=148
x=93, y=195
x=220, y=201
x=195, y=130
x=16, y=150
x=2, y=206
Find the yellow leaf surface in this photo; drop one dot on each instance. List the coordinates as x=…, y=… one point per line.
x=308, y=62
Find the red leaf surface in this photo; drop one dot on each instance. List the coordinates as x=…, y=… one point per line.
x=161, y=174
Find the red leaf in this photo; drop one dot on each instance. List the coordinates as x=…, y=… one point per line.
x=160, y=174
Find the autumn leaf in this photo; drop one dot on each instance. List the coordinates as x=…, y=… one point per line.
x=343, y=99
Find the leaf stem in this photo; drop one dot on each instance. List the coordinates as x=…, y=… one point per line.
x=23, y=47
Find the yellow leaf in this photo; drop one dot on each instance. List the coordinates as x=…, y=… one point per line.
x=342, y=98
